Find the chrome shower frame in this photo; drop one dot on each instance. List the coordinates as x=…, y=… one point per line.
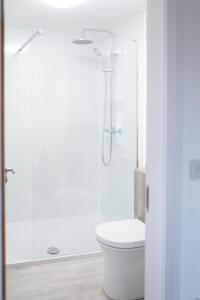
x=111, y=131
x=30, y=39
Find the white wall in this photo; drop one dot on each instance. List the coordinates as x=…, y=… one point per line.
x=174, y=110
x=183, y=108
x=178, y=22
x=190, y=259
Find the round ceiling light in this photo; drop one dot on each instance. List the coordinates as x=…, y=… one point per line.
x=64, y=3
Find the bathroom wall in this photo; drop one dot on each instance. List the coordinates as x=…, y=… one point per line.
x=183, y=222
x=190, y=259
x=181, y=145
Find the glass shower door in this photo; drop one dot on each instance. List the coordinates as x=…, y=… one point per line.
x=65, y=147
x=72, y=189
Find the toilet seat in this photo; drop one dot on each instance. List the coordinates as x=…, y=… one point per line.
x=124, y=234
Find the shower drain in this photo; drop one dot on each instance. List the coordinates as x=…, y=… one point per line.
x=53, y=251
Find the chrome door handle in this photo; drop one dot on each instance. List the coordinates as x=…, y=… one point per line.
x=6, y=171
x=9, y=171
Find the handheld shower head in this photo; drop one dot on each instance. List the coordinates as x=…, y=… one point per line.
x=97, y=52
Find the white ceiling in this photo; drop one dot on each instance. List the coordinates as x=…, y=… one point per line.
x=36, y=13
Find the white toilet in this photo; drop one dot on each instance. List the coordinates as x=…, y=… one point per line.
x=123, y=244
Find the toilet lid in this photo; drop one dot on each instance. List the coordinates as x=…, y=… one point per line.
x=124, y=234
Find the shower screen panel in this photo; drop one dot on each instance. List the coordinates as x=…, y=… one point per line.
x=65, y=147
x=72, y=189
x=60, y=107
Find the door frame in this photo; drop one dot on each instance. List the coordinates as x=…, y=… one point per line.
x=156, y=150
x=164, y=148
x=2, y=196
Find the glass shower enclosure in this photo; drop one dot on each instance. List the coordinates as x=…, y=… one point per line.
x=72, y=141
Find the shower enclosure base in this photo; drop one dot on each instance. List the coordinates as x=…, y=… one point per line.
x=29, y=241
x=54, y=259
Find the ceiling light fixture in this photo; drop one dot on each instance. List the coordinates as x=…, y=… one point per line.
x=64, y=3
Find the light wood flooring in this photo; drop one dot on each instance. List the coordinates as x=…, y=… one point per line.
x=77, y=279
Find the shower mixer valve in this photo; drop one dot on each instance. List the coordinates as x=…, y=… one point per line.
x=114, y=130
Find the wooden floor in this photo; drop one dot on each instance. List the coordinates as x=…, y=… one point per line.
x=79, y=279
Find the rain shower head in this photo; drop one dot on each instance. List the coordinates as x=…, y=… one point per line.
x=82, y=41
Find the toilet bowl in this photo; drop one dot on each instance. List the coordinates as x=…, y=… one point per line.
x=123, y=244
